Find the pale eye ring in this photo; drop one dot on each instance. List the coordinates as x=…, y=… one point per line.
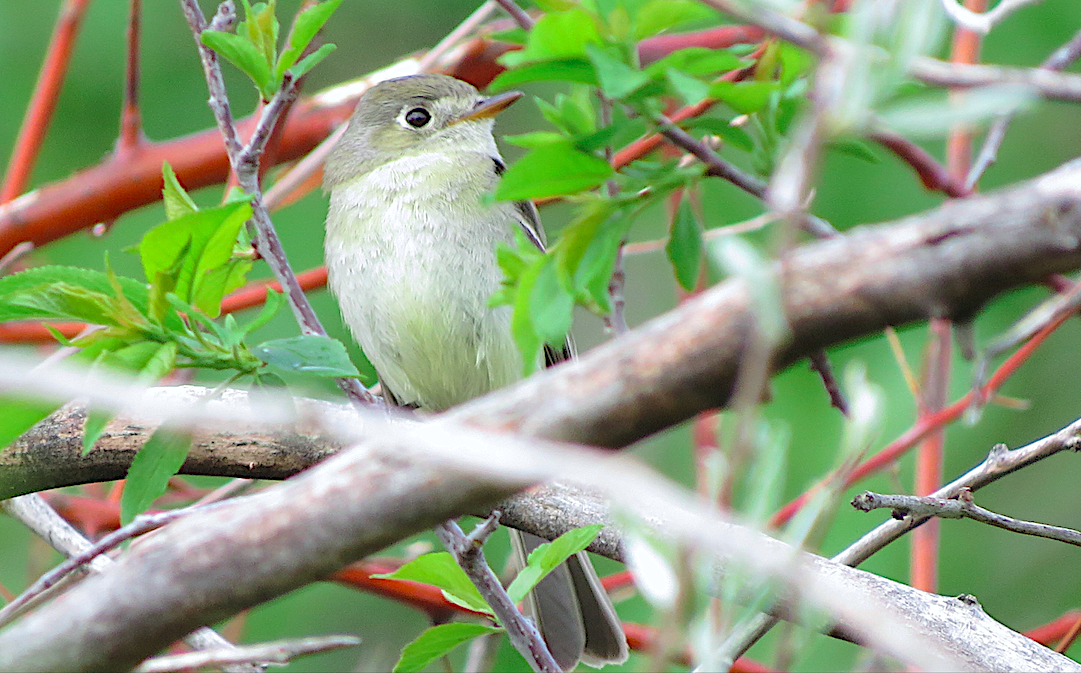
x=418, y=117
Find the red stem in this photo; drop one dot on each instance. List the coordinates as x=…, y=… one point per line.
x=39, y=112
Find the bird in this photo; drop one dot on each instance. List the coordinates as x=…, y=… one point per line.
x=410, y=250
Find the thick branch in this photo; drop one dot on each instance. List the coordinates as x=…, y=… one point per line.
x=946, y=262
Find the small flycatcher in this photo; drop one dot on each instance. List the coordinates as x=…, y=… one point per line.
x=410, y=251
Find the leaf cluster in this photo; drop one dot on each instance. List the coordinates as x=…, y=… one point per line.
x=146, y=330
x=612, y=100
x=253, y=48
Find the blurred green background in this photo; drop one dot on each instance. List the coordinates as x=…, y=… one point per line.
x=1021, y=581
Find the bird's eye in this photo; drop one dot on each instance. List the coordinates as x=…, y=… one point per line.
x=418, y=117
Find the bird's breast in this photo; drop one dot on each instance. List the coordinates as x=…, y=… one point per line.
x=410, y=251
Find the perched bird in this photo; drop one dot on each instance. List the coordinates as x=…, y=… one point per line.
x=410, y=252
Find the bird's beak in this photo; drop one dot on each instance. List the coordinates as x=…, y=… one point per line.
x=490, y=107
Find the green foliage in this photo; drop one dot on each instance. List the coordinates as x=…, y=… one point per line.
x=254, y=47
x=685, y=245
x=439, y=569
x=191, y=262
x=436, y=642
x=155, y=463
x=611, y=101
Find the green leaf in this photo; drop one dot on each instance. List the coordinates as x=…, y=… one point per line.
x=305, y=27
x=684, y=247
x=547, y=557
x=71, y=301
x=855, y=148
x=556, y=35
x=690, y=89
x=439, y=569
x=436, y=642
x=244, y=55
x=551, y=306
x=307, y=354
x=658, y=16
x=562, y=70
x=616, y=78
x=795, y=62
x=177, y=201
x=93, y=427
x=218, y=282
x=18, y=415
x=521, y=322
x=743, y=97
x=270, y=308
x=535, y=139
x=18, y=284
x=203, y=241
x=311, y=60
x=150, y=471
x=552, y=170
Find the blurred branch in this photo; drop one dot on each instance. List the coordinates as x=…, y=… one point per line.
x=275, y=652
x=960, y=506
x=947, y=261
x=982, y=23
x=517, y=13
x=932, y=174
x=1059, y=60
x=33, y=511
x=397, y=480
x=131, y=125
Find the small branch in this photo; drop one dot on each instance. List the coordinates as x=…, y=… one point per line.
x=15, y=254
x=1059, y=60
x=820, y=363
x=932, y=174
x=131, y=125
x=958, y=507
x=43, y=101
x=523, y=635
x=33, y=511
x=982, y=23
x=142, y=524
x=274, y=652
x=245, y=162
x=1049, y=84
x=716, y=166
x=524, y=20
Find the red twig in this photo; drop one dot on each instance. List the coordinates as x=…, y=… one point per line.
x=924, y=554
x=43, y=102
x=131, y=123
x=932, y=174
x=927, y=425
x=1055, y=630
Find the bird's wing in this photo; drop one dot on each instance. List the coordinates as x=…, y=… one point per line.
x=529, y=220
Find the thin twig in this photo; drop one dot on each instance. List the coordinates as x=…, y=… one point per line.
x=517, y=13
x=273, y=652
x=960, y=506
x=821, y=364
x=932, y=174
x=33, y=511
x=131, y=124
x=39, y=111
x=1058, y=60
x=522, y=633
x=982, y=23
x=245, y=162
x=142, y=524
x=14, y=255
x=1000, y=462
x=716, y=166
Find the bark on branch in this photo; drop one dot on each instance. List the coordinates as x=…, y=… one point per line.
x=946, y=262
